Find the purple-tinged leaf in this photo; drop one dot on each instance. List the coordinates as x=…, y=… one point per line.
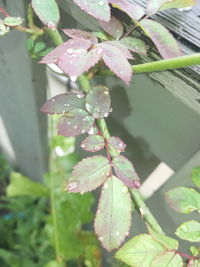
x=116, y=61
x=88, y=174
x=75, y=122
x=98, y=102
x=114, y=27
x=125, y=172
x=117, y=143
x=113, y=217
x=47, y=11
x=134, y=11
x=79, y=62
x=193, y=263
x=63, y=103
x=135, y=45
x=156, y=5
x=124, y=49
x=79, y=34
x=99, y=8
x=71, y=47
x=93, y=143
x=162, y=38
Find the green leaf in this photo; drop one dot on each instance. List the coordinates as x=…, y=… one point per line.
x=13, y=21
x=29, y=44
x=3, y=29
x=98, y=102
x=98, y=9
x=113, y=217
x=88, y=174
x=193, y=263
x=140, y=251
x=196, y=176
x=75, y=122
x=156, y=5
x=39, y=46
x=47, y=11
x=54, y=264
x=166, y=241
x=125, y=172
x=21, y=185
x=178, y=4
x=45, y=52
x=93, y=143
x=167, y=259
x=162, y=38
x=183, y=199
x=189, y=231
x=101, y=35
x=135, y=45
x=194, y=251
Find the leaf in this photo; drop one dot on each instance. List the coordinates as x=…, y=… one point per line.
x=93, y=143
x=165, y=241
x=134, y=11
x=101, y=35
x=88, y=174
x=99, y=9
x=139, y=251
x=196, y=176
x=116, y=61
x=167, y=259
x=79, y=34
x=162, y=38
x=45, y=52
x=98, y=102
x=183, y=199
x=13, y=21
x=71, y=48
x=21, y=185
x=54, y=264
x=117, y=143
x=39, y=46
x=3, y=29
x=126, y=172
x=194, y=251
x=74, y=123
x=113, y=217
x=114, y=27
x=189, y=231
x=193, y=263
x=29, y=44
x=135, y=45
x=122, y=47
x=78, y=63
x=63, y=103
x=47, y=11
x=178, y=4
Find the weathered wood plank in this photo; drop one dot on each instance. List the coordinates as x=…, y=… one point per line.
x=23, y=90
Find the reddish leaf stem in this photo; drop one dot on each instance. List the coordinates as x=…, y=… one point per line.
x=184, y=254
x=4, y=12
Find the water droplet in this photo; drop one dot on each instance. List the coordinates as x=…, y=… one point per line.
x=106, y=92
x=110, y=110
x=124, y=189
x=80, y=95
x=71, y=186
x=65, y=105
x=91, y=131
x=83, y=145
x=101, y=3
x=121, y=72
x=121, y=145
x=82, y=131
x=53, y=100
x=68, y=123
x=106, y=114
x=73, y=78
x=117, y=233
x=98, y=211
x=99, y=50
x=82, y=192
x=137, y=184
x=126, y=233
x=75, y=126
x=88, y=107
x=105, y=186
x=101, y=238
x=70, y=51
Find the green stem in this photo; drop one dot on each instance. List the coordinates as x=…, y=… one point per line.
x=52, y=199
x=55, y=36
x=165, y=64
